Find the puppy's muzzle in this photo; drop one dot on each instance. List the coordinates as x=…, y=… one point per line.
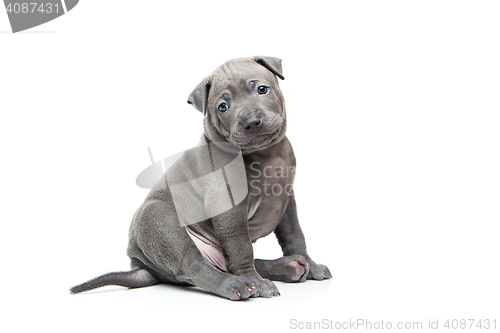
x=252, y=121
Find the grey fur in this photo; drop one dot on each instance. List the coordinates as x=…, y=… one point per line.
x=162, y=251
x=133, y=279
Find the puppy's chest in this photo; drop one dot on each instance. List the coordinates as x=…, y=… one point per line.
x=270, y=184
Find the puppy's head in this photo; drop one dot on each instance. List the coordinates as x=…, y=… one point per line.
x=242, y=103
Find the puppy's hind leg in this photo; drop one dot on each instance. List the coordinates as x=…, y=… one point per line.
x=285, y=269
x=166, y=248
x=132, y=279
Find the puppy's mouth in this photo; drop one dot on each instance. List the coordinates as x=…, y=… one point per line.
x=259, y=139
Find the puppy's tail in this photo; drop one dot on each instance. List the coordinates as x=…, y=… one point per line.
x=133, y=279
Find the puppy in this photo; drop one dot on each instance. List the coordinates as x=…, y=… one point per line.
x=198, y=223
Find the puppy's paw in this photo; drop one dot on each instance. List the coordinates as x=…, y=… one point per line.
x=318, y=271
x=264, y=287
x=237, y=288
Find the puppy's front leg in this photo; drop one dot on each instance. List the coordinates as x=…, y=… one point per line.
x=232, y=229
x=293, y=242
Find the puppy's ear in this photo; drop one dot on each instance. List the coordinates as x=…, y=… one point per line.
x=272, y=64
x=199, y=96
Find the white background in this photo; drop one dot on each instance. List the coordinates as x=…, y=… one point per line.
x=394, y=114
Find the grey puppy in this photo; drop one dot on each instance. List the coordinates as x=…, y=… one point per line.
x=243, y=105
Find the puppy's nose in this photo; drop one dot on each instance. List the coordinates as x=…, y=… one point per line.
x=252, y=123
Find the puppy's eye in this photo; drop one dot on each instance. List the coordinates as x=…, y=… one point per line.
x=262, y=90
x=223, y=107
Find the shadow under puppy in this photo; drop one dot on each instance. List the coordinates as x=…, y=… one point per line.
x=244, y=115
